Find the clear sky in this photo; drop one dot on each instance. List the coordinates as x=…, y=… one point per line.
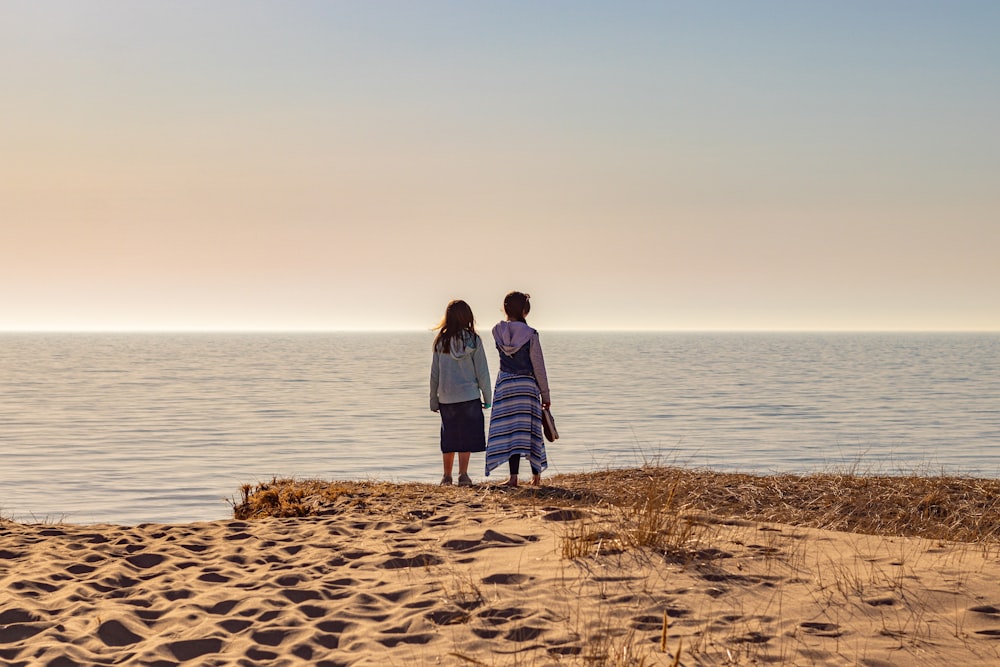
x=775, y=165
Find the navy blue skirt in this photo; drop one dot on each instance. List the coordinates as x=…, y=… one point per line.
x=463, y=427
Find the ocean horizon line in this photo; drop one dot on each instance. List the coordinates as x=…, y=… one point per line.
x=401, y=330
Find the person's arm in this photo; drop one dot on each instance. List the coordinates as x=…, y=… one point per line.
x=538, y=368
x=435, y=377
x=483, y=374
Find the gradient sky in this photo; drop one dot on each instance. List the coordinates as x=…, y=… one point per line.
x=776, y=165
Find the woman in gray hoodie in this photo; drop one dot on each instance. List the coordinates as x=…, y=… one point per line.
x=522, y=390
x=460, y=377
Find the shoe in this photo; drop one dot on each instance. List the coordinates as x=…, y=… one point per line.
x=446, y=480
x=464, y=480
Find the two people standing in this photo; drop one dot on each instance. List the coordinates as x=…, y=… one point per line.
x=460, y=378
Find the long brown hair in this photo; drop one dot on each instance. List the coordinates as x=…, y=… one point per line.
x=457, y=320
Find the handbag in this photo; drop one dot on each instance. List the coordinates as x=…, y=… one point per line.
x=549, y=425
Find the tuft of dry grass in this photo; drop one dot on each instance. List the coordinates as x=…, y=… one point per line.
x=657, y=501
x=286, y=498
x=652, y=518
x=959, y=509
x=313, y=497
x=649, y=518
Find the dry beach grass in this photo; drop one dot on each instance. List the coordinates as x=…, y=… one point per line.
x=960, y=509
x=647, y=566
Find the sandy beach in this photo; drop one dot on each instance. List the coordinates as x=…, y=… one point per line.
x=397, y=574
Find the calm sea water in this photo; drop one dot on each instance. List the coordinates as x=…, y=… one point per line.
x=129, y=428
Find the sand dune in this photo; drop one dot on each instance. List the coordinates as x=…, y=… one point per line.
x=467, y=576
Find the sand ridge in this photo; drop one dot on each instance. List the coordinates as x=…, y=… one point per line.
x=448, y=579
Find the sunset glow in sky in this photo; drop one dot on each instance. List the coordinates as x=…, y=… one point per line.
x=774, y=165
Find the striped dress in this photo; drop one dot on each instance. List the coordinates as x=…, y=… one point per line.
x=516, y=423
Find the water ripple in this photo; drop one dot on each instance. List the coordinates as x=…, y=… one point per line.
x=133, y=428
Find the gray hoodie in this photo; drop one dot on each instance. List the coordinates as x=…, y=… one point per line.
x=461, y=374
x=511, y=337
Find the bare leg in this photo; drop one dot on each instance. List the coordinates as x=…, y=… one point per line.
x=448, y=459
x=511, y=481
x=536, y=479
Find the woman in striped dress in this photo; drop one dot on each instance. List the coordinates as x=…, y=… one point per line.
x=521, y=391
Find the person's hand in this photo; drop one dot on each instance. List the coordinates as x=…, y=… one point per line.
x=546, y=406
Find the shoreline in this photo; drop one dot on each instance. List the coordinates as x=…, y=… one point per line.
x=612, y=568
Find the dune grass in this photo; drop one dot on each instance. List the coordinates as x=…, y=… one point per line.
x=958, y=509
x=668, y=511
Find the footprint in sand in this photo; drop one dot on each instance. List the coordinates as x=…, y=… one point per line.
x=986, y=609
x=328, y=641
x=275, y=637
x=763, y=550
x=212, y=577
x=300, y=595
x=189, y=649
x=420, y=560
x=52, y=532
x=115, y=633
x=490, y=539
x=448, y=617
x=222, y=608
x=821, y=629
x=654, y=621
x=712, y=553
x=178, y=594
x=422, y=638
x=885, y=601
x=16, y=632
x=752, y=638
x=524, y=633
x=398, y=595
x=485, y=633
x=268, y=616
x=505, y=579
x=313, y=611
x=565, y=515
x=149, y=616
x=334, y=627
x=234, y=625
x=257, y=656
x=237, y=536
x=991, y=633
x=17, y=615
x=420, y=604
x=500, y=616
x=991, y=611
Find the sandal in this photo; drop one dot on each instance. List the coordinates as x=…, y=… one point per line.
x=464, y=480
x=446, y=480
